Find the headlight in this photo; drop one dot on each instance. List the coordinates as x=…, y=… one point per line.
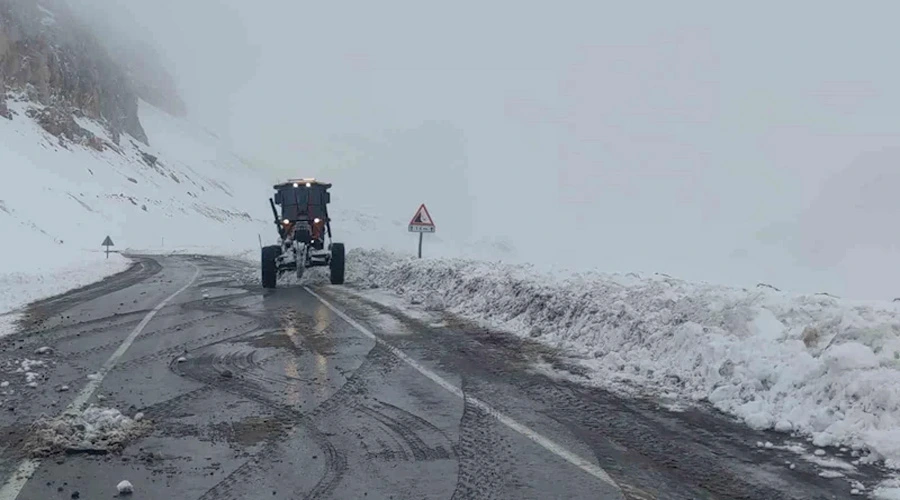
x=309, y=185
x=285, y=222
x=296, y=185
x=317, y=220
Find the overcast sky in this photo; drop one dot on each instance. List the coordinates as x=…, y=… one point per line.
x=710, y=140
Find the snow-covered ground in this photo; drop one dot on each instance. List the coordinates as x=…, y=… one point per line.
x=889, y=490
x=59, y=200
x=812, y=365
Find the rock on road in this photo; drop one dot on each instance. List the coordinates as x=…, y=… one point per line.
x=321, y=393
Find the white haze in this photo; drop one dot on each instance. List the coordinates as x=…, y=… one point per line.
x=733, y=143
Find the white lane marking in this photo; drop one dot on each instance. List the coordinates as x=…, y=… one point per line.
x=545, y=442
x=21, y=476
x=27, y=468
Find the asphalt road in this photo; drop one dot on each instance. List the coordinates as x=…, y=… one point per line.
x=307, y=393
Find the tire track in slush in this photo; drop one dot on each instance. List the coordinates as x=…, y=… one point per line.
x=108, y=345
x=479, y=475
x=406, y=429
x=207, y=369
x=253, y=382
x=169, y=407
x=70, y=331
x=187, y=345
x=77, y=330
x=335, y=462
x=204, y=369
x=244, y=367
x=544, y=442
x=648, y=435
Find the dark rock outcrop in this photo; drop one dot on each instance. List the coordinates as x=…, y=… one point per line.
x=60, y=123
x=149, y=159
x=47, y=53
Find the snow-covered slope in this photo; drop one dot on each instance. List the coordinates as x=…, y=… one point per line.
x=814, y=365
x=59, y=199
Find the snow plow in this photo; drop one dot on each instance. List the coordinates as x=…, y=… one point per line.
x=304, y=233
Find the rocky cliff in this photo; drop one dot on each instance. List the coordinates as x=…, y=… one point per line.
x=52, y=59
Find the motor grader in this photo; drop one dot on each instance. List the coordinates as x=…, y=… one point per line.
x=304, y=233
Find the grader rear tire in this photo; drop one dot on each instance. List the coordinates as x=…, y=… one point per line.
x=269, y=269
x=337, y=264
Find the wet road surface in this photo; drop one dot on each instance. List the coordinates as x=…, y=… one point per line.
x=316, y=393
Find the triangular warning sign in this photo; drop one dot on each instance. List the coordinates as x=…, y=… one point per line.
x=422, y=217
x=108, y=242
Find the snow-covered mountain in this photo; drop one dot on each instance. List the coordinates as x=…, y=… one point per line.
x=46, y=53
x=61, y=197
x=83, y=156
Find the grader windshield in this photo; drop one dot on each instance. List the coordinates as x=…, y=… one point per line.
x=303, y=200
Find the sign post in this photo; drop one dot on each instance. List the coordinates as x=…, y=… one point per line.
x=421, y=223
x=107, y=243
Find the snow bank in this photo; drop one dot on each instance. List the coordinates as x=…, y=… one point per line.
x=888, y=490
x=824, y=368
x=96, y=430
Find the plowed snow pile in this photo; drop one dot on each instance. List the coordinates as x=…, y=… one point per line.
x=810, y=364
x=96, y=430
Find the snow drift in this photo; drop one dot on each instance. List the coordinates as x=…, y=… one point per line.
x=812, y=365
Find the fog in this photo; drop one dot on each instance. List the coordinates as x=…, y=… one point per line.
x=730, y=143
